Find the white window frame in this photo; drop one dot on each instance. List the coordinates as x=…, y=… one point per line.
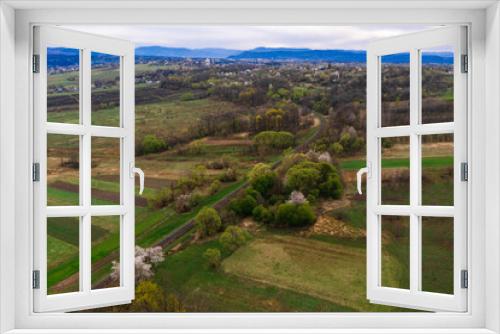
x=456, y=38
x=86, y=297
x=15, y=229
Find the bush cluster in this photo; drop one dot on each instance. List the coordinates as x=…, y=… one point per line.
x=185, y=194
x=229, y=175
x=263, y=179
x=208, y=222
x=213, y=258
x=185, y=202
x=161, y=198
x=295, y=215
x=262, y=214
x=233, y=238
x=243, y=206
x=285, y=197
x=152, y=144
x=348, y=143
x=266, y=141
x=318, y=179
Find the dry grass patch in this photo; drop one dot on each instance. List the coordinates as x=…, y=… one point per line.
x=316, y=268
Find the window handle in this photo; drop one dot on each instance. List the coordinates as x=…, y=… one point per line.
x=134, y=170
x=359, y=175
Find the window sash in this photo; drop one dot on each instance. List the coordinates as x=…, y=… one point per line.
x=86, y=297
x=414, y=297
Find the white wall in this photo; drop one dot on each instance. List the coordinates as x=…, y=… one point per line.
x=6, y=166
x=492, y=189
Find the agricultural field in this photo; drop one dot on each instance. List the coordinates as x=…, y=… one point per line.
x=200, y=133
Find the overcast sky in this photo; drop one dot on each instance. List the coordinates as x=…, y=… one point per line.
x=249, y=37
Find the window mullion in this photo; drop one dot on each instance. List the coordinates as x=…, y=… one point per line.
x=85, y=170
x=415, y=184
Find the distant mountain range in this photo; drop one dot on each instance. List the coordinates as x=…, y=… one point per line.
x=162, y=51
x=69, y=57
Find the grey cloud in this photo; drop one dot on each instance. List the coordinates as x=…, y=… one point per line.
x=248, y=37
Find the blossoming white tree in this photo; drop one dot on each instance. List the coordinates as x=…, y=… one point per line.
x=145, y=258
x=296, y=197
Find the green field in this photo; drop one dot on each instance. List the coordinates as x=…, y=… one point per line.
x=204, y=290
x=325, y=270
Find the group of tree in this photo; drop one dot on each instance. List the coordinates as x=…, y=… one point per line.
x=286, y=196
x=273, y=141
x=208, y=224
x=187, y=192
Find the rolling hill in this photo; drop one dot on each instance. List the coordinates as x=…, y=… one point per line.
x=62, y=57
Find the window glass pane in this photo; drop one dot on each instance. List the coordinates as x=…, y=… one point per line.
x=105, y=89
x=63, y=169
x=395, y=251
x=437, y=254
x=395, y=171
x=63, y=85
x=395, y=71
x=437, y=169
x=105, y=252
x=437, y=85
x=63, y=257
x=105, y=171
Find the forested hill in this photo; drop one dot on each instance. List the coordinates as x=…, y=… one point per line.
x=335, y=56
x=338, y=56
x=62, y=57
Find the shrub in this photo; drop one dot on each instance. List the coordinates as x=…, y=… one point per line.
x=198, y=175
x=185, y=184
x=153, y=144
x=221, y=163
x=387, y=143
x=243, y=206
x=337, y=148
x=213, y=257
x=161, y=198
x=252, y=192
x=317, y=178
x=263, y=179
x=321, y=106
x=332, y=187
x=276, y=199
x=229, y=217
x=174, y=304
x=262, y=214
x=289, y=161
x=233, y=238
x=208, y=221
x=196, y=147
x=295, y=215
x=303, y=177
x=149, y=297
x=298, y=94
x=311, y=198
x=185, y=202
x=71, y=162
x=229, y=175
x=273, y=140
x=350, y=141
x=214, y=187
x=188, y=96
